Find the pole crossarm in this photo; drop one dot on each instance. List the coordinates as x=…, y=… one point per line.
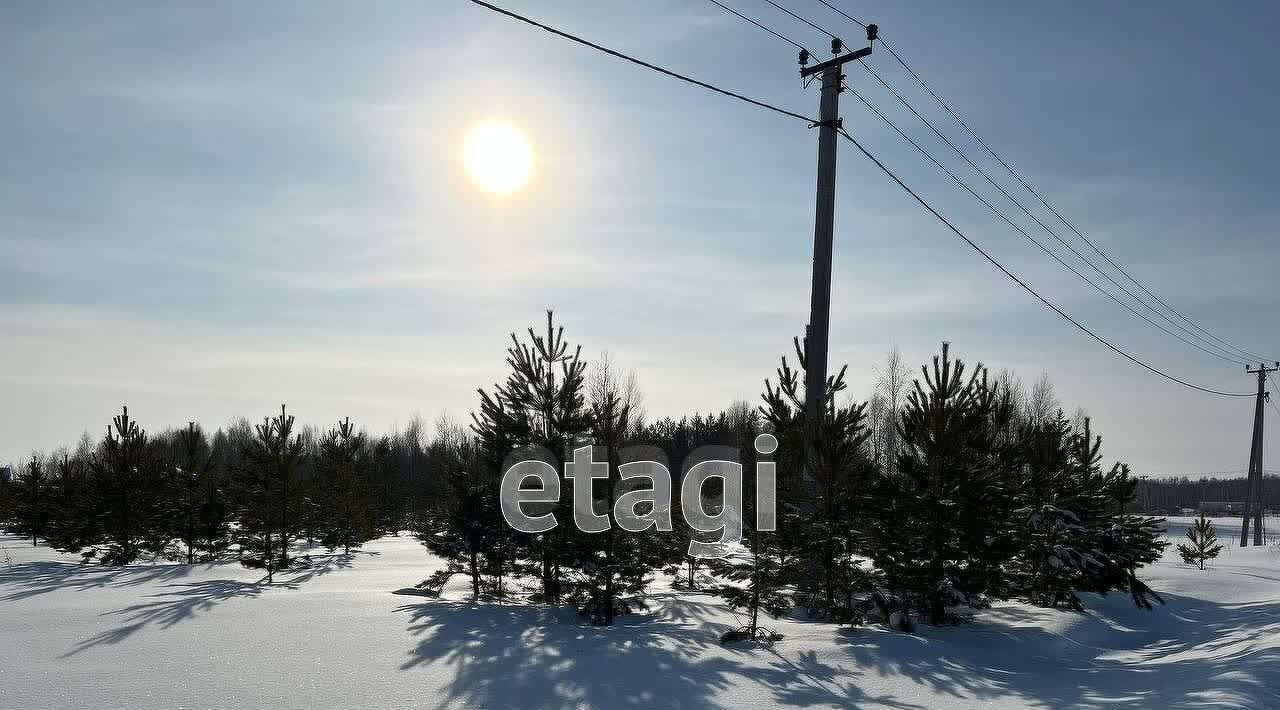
x=835, y=62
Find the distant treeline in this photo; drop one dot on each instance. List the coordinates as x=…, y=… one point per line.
x=941, y=491
x=1167, y=496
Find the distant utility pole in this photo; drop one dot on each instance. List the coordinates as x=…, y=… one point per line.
x=1253, y=502
x=817, y=332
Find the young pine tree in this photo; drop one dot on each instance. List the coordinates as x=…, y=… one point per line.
x=32, y=504
x=672, y=443
x=343, y=489
x=77, y=524
x=1139, y=538
x=541, y=405
x=386, y=482
x=616, y=565
x=465, y=528
x=189, y=489
x=1054, y=547
x=265, y=487
x=758, y=583
x=1119, y=543
x=129, y=486
x=760, y=575
x=941, y=499
x=991, y=539
x=1202, y=543
x=215, y=510
x=826, y=479
x=6, y=497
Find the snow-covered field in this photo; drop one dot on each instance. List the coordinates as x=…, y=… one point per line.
x=335, y=636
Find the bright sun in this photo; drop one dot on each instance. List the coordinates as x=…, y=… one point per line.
x=498, y=157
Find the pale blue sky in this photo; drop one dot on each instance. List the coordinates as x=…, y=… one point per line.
x=207, y=210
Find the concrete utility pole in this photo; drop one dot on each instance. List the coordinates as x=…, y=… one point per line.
x=817, y=332
x=1253, y=503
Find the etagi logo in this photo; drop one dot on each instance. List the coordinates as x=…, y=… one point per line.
x=583, y=471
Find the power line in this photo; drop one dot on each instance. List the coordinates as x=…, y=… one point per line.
x=640, y=62
x=770, y=30
x=1228, y=347
x=1024, y=284
x=1229, y=357
x=857, y=22
x=805, y=21
x=1024, y=233
x=1050, y=207
x=886, y=170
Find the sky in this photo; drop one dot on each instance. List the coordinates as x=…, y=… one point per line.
x=207, y=210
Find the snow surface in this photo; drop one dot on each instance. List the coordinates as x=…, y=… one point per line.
x=336, y=636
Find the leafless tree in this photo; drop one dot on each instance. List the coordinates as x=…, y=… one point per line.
x=1043, y=403
x=449, y=433
x=880, y=421
x=606, y=380
x=890, y=385
x=1007, y=382
x=1080, y=419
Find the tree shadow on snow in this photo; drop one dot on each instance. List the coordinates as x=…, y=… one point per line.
x=307, y=569
x=1190, y=653
x=29, y=579
x=185, y=600
x=517, y=656
x=177, y=601
x=182, y=602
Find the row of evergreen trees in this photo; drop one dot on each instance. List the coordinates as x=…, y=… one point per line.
x=958, y=492
x=180, y=496
x=984, y=497
x=1170, y=495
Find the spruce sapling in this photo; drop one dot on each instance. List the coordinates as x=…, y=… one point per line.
x=1203, y=543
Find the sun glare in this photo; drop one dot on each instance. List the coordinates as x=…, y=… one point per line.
x=497, y=157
